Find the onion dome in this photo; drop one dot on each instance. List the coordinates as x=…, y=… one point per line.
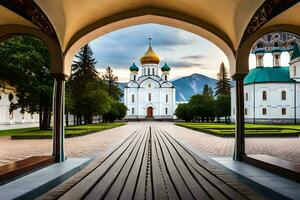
x=165, y=68
x=296, y=52
x=133, y=67
x=150, y=57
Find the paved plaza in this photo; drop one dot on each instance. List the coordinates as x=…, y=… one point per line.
x=97, y=143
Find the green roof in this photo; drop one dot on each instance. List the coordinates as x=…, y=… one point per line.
x=165, y=67
x=133, y=67
x=296, y=52
x=268, y=74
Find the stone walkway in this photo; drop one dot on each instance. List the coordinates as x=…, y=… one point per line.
x=96, y=144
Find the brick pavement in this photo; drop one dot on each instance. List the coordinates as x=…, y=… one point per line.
x=97, y=143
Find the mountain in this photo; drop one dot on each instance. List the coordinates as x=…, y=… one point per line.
x=187, y=86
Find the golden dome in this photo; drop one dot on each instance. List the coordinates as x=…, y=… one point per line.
x=150, y=57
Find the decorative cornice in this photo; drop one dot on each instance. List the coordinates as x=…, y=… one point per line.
x=32, y=12
x=268, y=10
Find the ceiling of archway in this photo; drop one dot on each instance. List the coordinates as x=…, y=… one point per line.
x=290, y=16
x=70, y=16
x=9, y=17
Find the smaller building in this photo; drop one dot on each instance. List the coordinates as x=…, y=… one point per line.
x=272, y=94
x=8, y=96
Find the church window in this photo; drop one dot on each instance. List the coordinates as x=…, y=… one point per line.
x=166, y=77
x=276, y=44
x=283, y=111
x=259, y=45
x=149, y=85
x=132, y=98
x=10, y=97
x=134, y=77
x=149, y=96
x=148, y=71
x=264, y=111
x=166, y=111
x=132, y=111
x=246, y=111
x=295, y=71
x=233, y=111
x=264, y=95
x=246, y=97
x=152, y=71
x=167, y=98
x=283, y=95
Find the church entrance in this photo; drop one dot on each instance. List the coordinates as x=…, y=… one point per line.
x=149, y=112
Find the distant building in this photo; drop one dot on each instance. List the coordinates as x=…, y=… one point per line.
x=150, y=94
x=8, y=96
x=272, y=94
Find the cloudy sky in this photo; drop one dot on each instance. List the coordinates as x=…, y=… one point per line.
x=185, y=52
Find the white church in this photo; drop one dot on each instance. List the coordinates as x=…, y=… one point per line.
x=272, y=93
x=149, y=93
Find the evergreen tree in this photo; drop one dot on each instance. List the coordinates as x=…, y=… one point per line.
x=83, y=72
x=223, y=84
x=112, y=85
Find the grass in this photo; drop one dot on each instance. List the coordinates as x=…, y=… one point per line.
x=254, y=130
x=70, y=131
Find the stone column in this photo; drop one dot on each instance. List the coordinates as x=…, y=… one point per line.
x=58, y=118
x=239, y=146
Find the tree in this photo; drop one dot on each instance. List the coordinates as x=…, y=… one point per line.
x=117, y=111
x=202, y=107
x=183, y=111
x=223, y=84
x=223, y=106
x=207, y=90
x=25, y=64
x=112, y=85
x=83, y=72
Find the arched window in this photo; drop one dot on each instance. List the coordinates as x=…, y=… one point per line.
x=152, y=71
x=167, y=98
x=132, y=98
x=148, y=71
x=132, y=111
x=10, y=97
x=283, y=111
x=134, y=77
x=276, y=44
x=166, y=77
x=295, y=71
x=149, y=96
x=283, y=95
x=246, y=96
x=259, y=45
x=166, y=111
x=264, y=95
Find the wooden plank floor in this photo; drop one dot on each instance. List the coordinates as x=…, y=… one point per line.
x=151, y=164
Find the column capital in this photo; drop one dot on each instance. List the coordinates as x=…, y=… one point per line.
x=59, y=76
x=238, y=76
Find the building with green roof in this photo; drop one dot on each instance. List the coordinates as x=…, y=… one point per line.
x=272, y=94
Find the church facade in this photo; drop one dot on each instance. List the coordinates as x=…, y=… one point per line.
x=272, y=93
x=149, y=93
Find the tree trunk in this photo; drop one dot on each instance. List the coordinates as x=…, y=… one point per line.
x=67, y=119
x=40, y=119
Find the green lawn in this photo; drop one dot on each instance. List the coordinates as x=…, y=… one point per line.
x=70, y=131
x=257, y=130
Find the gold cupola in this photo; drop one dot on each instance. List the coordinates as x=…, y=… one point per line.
x=150, y=57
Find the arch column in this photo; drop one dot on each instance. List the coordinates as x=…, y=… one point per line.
x=58, y=117
x=239, y=143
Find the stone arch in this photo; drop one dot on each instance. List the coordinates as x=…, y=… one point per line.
x=56, y=56
x=242, y=66
x=144, y=16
